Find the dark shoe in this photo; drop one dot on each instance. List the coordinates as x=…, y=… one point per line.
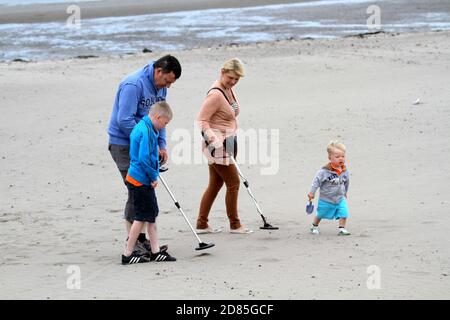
x=135, y=257
x=162, y=256
x=147, y=246
x=144, y=248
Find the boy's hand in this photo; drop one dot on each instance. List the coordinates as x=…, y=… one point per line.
x=154, y=184
x=310, y=196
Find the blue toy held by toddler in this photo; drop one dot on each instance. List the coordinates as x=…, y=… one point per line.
x=309, y=208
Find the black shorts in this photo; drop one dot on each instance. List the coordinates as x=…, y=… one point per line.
x=120, y=155
x=144, y=203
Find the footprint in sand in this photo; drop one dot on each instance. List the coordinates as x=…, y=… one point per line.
x=10, y=219
x=259, y=248
x=114, y=210
x=203, y=254
x=269, y=238
x=273, y=260
x=165, y=239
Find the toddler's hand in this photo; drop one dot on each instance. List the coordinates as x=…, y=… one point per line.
x=154, y=184
x=310, y=196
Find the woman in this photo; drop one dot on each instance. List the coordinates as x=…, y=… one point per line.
x=217, y=120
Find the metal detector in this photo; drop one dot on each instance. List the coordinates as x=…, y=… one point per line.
x=266, y=226
x=201, y=245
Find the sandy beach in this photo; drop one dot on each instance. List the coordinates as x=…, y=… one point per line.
x=62, y=198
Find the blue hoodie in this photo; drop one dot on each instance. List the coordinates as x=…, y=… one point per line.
x=136, y=94
x=144, y=156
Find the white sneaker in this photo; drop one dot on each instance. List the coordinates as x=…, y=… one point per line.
x=343, y=232
x=314, y=229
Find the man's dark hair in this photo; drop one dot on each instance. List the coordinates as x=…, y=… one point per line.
x=168, y=64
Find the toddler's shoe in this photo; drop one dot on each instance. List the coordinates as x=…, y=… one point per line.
x=314, y=229
x=343, y=232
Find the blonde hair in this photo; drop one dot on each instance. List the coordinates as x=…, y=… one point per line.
x=333, y=145
x=235, y=65
x=162, y=108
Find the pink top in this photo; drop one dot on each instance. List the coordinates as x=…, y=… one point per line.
x=217, y=118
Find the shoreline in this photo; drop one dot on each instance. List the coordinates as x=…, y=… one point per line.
x=223, y=46
x=175, y=30
x=39, y=13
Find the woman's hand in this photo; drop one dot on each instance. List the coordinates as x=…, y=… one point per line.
x=310, y=196
x=212, y=138
x=215, y=142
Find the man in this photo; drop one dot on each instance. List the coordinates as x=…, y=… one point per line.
x=134, y=98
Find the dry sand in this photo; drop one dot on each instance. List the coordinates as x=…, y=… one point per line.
x=61, y=195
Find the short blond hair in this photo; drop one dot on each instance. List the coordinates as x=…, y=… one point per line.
x=235, y=65
x=162, y=108
x=333, y=145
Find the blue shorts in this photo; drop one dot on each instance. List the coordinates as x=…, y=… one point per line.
x=330, y=211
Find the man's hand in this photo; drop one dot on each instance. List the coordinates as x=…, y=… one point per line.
x=310, y=196
x=163, y=156
x=154, y=184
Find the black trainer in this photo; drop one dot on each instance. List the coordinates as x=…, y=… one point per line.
x=134, y=258
x=144, y=248
x=147, y=246
x=162, y=256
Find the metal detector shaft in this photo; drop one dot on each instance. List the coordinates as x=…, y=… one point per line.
x=266, y=226
x=179, y=208
x=247, y=186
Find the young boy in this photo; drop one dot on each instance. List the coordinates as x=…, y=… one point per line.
x=333, y=181
x=142, y=178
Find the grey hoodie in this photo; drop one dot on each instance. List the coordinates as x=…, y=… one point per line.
x=333, y=187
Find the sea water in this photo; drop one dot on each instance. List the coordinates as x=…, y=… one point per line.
x=213, y=27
